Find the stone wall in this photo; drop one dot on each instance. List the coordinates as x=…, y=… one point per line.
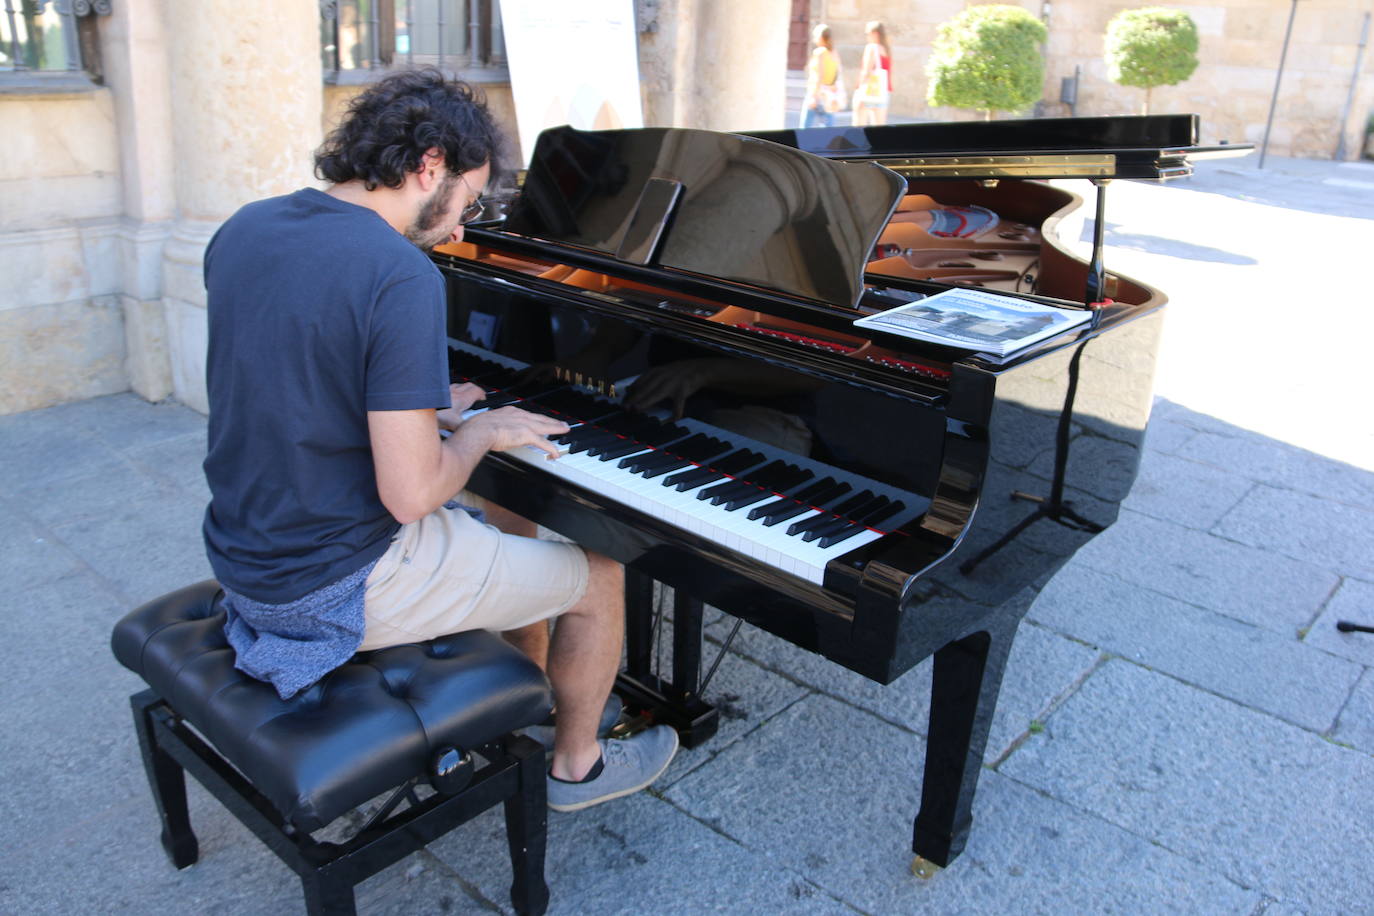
x=109, y=194
x=61, y=328
x=1241, y=41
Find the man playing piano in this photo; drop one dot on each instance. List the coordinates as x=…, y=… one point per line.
x=330, y=525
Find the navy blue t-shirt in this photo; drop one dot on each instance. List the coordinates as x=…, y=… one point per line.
x=319, y=311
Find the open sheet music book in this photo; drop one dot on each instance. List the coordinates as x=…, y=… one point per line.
x=975, y=319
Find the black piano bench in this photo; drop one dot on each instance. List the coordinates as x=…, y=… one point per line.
x=429, y=723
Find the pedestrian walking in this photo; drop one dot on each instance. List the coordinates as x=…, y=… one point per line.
x=824, y=81
x=874, y=92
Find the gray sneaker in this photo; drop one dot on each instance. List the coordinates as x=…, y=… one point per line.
x=610, y=715
x=629, y=766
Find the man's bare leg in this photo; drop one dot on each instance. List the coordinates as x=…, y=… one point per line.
x=533, y=640
x=584, y=655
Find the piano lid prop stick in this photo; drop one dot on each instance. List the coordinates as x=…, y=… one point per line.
x=1095, y=294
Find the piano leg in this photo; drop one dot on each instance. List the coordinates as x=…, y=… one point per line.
x=966, y=681
x=639, y=623
x=687, y=624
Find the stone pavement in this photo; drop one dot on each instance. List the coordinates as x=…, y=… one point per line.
x=1181, y=727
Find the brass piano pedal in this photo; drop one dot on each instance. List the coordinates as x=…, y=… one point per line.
x=630, y=725
x=923, y=868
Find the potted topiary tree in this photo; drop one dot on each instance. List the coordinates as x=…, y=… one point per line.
x=988, y=58
x=1151, y=47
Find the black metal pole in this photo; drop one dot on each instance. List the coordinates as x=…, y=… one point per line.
x=1278, y=78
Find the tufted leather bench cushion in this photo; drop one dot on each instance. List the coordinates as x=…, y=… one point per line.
x=364, y=729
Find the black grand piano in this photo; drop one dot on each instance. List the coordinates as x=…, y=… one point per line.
x=687, y=300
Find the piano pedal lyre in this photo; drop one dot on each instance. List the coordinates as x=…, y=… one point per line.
x=923, y=868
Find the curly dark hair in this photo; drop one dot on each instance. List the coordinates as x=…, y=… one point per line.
x=389, y=127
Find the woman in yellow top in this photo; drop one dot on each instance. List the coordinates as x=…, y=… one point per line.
x=875, y=78
x=824, y=83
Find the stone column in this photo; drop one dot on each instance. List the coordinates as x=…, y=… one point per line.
x=134, y=50
x=714, y=64
x=246, y=112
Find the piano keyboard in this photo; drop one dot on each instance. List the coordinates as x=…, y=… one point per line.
x=778, y=508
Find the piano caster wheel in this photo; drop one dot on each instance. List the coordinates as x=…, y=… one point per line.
x=924, y=868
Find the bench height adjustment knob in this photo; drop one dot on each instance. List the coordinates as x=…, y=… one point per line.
x=450, y=770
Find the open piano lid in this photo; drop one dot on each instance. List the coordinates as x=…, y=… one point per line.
x=1155, y=147
x=726, y=206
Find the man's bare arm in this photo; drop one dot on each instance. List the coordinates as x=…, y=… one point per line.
x=417, y=472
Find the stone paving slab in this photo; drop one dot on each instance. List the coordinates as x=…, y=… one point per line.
x=1319, y=531
x=1184, y=492
x=38, y=451
x=1353, y=601
x=746, y=696
x=1238, y=580
x=1043, y=666
x=71, y=500
x=636, y=855
x=32, y=555
x=1163, y=434
x=68, y=733
x=1356, y=724
x=1274, y=808
x=145, y=546
x=1249, y=664
x=119, y=421
x=115, y=865
x=1281, y=465
x=176, y=461
x=849, y=827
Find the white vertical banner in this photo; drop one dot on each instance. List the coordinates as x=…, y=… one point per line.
x=571, y=63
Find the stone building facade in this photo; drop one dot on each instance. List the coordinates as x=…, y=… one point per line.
x=1240, y=43
x=109, y=192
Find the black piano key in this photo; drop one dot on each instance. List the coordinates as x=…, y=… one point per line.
x=731, y=464
x=667, y=467
x=877, y=518
x=855, y=518
x=781, y=481
x=728, y=490
x=764, y=484
x=661, y=462
x=825, y=517
x=699, y=447
x=590, y=436
x=612, y=452
x=802, y=495
x=764, y=481
x=805, y=501
x=637, y=463
x=685, y=480
x=746, y=499
x=614, y=441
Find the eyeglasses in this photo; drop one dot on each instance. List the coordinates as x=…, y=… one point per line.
x=474, y=209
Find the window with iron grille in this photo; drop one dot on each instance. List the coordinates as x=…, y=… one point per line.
x=41, y=38
x=360, y=39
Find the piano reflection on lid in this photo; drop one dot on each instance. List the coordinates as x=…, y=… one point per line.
x=870, y=498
